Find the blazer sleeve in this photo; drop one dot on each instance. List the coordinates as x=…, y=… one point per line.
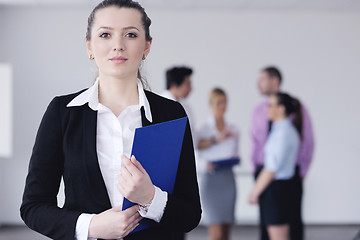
x=183, y=210
x=39, y=208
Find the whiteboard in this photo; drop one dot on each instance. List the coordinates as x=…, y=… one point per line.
x=5, y=110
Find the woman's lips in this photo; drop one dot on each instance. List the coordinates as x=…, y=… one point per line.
x=118, y=60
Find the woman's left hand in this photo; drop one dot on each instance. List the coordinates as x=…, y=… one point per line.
x=134, y=182
x=210, y=167
x=254, y=198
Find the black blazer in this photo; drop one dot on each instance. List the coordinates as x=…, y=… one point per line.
x=65, y=146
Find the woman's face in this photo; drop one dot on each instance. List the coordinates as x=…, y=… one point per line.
x=218, y=106
x=274, y=110
x=118, y=41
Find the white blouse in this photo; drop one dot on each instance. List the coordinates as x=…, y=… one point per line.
x=281, y=149
x=222, y=150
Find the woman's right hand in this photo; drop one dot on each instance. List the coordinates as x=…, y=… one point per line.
x=224, y=134
x=210, y=167
x=253, y=198
x=114, y=223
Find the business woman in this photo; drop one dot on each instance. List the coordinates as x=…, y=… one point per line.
x=218, y=140
x=275, y=186
x=86, y=139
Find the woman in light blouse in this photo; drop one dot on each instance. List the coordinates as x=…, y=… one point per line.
x=86, y=139
x=218, y=140
x=275, y=181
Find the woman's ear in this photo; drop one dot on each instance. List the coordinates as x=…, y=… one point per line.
x=147, y=47
x=88, y=47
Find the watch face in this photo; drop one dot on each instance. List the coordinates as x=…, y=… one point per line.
x=146, y=205
x=144, y=208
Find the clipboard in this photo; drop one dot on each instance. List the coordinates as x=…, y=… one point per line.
x=158, y=147
x=226, y=163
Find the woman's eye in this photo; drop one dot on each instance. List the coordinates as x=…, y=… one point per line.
x=131, y=35
x=104, y=35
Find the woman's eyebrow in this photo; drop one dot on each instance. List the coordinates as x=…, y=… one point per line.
x=110, y=28
x=125, y=28
x=130, y=27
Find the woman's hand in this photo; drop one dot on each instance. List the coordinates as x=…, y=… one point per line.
x=262, y=182
x=210, y=167
x=254, y=198
x=224, y=134
x=114, y=223
x=134, y=182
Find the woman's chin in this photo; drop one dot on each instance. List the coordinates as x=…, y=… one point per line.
x=121, y=74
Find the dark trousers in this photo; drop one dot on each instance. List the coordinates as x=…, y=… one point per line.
x=296, y=224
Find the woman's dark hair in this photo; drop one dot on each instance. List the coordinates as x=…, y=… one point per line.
x=177, y=75
x=146, y=21
x=292, y=106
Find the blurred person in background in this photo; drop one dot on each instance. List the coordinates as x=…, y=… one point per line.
x=275, y=184
x=269, y=83
x=178, y=88
x=218, y=140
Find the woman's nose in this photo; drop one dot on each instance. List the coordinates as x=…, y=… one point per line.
x=118, y=49
x=119, y=44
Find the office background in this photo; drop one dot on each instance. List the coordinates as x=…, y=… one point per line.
x=315, y=44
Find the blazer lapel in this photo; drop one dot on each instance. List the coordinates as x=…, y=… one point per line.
x=144, y=120
x=154, y=115
x=92, y=168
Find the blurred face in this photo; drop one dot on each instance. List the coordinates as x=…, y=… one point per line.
x=185, y=88
x=118, y=42
x=266, y=84
x=218, y=105
x=274, y=110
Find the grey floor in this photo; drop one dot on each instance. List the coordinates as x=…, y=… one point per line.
x=239, y=232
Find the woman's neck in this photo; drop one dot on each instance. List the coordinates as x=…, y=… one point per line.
x=220, y=123
x=117, y=94
x=280, y=119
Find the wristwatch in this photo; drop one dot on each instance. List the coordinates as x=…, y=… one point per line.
x=144, y=208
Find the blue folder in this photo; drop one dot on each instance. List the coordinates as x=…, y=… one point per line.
x=157, y=147
x=226, y=163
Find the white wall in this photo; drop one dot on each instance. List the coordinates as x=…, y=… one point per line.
x=2, y=186
x=317, y=51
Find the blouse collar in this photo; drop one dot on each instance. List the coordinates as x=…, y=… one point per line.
x=91, y=96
